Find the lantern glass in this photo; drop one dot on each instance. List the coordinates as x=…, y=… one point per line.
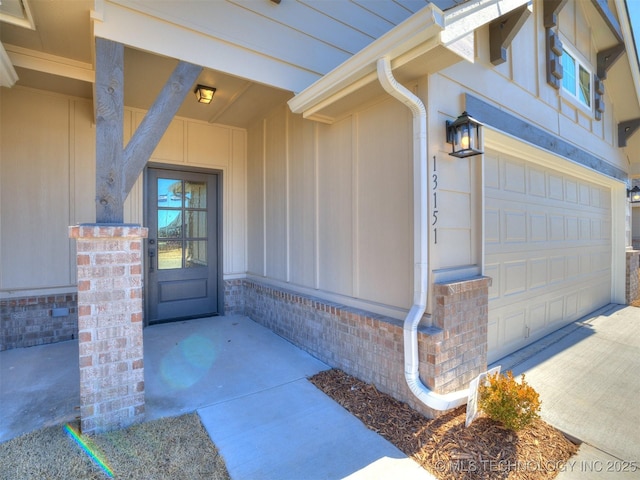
x=204, y=94
x=464, y=136
x=634, y=195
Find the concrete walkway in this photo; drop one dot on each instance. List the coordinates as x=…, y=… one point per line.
x=588, y=378
x=248, y=385
x=250, y=388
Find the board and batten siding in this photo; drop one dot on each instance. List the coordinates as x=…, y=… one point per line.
x=46, y=159
x=47, y=182
x=330, y=206
x=194, y=144
x=519, y=85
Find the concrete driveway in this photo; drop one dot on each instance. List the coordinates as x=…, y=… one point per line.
x=588, y=378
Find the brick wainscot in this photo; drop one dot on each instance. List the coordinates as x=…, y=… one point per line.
x=452, y=351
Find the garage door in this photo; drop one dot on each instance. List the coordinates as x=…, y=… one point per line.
x=547, y=248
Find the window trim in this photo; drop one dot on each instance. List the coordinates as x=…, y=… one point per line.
x=579, y=64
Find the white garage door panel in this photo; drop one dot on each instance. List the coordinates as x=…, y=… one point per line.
x=547, y=248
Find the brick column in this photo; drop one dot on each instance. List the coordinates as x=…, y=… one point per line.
x=458, y=352
x=632, y=287
x=109, y=262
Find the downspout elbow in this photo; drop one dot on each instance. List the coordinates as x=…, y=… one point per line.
x=431, y=399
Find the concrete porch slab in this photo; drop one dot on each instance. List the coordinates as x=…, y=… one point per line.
x=248, y=384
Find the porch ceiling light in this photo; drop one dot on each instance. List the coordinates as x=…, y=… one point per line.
x=464, y=136
x=634, y=194
x=204, y=94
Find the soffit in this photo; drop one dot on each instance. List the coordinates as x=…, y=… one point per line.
x=58, y=54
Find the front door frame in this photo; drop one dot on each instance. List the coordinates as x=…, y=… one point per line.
x=219, y=228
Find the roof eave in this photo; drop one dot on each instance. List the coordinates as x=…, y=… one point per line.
x=357, y=70
x=632, y=53
x=428, y=28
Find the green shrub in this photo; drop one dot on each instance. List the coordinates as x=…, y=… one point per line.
x=513, y=404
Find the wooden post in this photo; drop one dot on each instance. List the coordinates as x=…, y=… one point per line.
x=109, y=90
x=117, y=170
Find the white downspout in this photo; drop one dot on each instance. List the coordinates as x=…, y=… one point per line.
x=431, y=399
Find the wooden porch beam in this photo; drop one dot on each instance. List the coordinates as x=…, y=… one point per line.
x=626, y=129
x=155, y=122
x=606, y=59
x=116, y=168
x=551, y=10
x=503, y=30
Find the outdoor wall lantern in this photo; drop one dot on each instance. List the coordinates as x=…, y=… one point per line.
x=204, y=94
x=464, y=136
x=634, y=194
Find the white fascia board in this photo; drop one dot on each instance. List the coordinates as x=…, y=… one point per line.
x=8, y=75
x=146, y=32
x=24, y=21
x=462, y=21
x=632, y=53
x=44, y=62
x=420, y=33
x=361, y=68
x=469, y=16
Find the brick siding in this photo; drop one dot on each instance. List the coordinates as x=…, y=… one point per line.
x=109, y=263
x=29, y=321
x=371, y=346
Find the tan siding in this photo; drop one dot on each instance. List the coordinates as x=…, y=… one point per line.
x=335, y=189
x=170, y=149
x=346, y=190
x=276, y=195
x=385, y=196
x=255, y=199
x=83, y=142
x=235, y=198
x=47, y=182
x=35, y=193
x=303, y=205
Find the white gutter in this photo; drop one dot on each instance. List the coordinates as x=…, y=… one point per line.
x=431, y=399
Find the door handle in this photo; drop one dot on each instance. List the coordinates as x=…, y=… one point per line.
x=152, y=254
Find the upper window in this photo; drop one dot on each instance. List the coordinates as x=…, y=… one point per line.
x=576, y=78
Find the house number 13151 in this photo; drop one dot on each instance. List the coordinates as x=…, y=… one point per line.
x=434, y=214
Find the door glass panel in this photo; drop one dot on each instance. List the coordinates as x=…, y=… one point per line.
x=182, y=224
x=195, y=194
x=169, y=254
x=169, y=193
x=169, y=223
x=196, y=252
x=195, y=224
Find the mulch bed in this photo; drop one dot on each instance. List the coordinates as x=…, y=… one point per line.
x=444, y=447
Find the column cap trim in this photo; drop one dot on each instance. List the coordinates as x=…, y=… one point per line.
x=102, y=230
